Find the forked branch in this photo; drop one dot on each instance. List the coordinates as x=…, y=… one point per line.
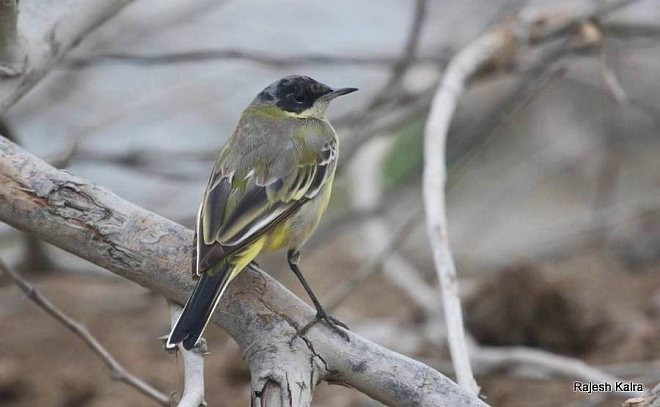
x=258, y=312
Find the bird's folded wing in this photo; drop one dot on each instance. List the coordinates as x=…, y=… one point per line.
x=237, y=211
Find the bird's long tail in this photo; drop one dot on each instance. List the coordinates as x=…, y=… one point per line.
x=200, y=306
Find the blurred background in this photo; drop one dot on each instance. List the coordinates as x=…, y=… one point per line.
x=553, y=191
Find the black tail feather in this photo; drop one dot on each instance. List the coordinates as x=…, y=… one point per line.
x=199, y=308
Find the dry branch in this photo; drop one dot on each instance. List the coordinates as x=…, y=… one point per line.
x=407, y=58
x=118, y=372
x=492, y=359
x=193, y=367
x=464, y=64
x=49, y=31
x=257, y=57
x=490, y=49
x=412, y=44
x=258, y=312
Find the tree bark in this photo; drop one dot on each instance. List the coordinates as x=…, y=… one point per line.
x=258, y=312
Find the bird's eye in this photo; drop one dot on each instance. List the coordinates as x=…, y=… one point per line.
x=299, y=98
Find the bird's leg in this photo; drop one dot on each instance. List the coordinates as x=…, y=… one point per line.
x=333, y=323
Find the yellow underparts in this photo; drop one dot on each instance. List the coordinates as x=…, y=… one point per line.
x=278, y=238
x=245, y=257
x=275, y=240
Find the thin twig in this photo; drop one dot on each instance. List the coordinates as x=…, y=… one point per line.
x=385, y=118
x=555, y=365
x=391, y=97
x=571, y=234
x=538, y=27
x=610, y=163
x=631, y=30
x=370, y=268
x=259, y=57
x=541, y=364
x=367, y=192
x=193, y=367
x=339, y=224
x=612, y=83
x=64, y=159
x=412, y=43
x=407, y=58
x=154, y=163
x=647, y=109
x=473, y=142
x=117, y=371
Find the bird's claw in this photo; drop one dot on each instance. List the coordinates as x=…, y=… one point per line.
x=332, y=323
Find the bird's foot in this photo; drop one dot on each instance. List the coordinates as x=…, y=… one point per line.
x=332, y=323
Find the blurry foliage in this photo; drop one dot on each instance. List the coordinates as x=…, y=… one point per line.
x=406, y=156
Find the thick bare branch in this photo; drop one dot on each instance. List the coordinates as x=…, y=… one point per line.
x=118, y=372
x=93, y=223
x=49, y=31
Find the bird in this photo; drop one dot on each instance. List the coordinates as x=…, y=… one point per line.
x=268, y=191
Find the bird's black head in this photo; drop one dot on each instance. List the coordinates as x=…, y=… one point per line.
x=297, y=94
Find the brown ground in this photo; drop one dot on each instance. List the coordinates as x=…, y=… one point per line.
x=611, y=316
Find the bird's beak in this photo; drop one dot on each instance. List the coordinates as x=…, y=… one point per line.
x=336, y=93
